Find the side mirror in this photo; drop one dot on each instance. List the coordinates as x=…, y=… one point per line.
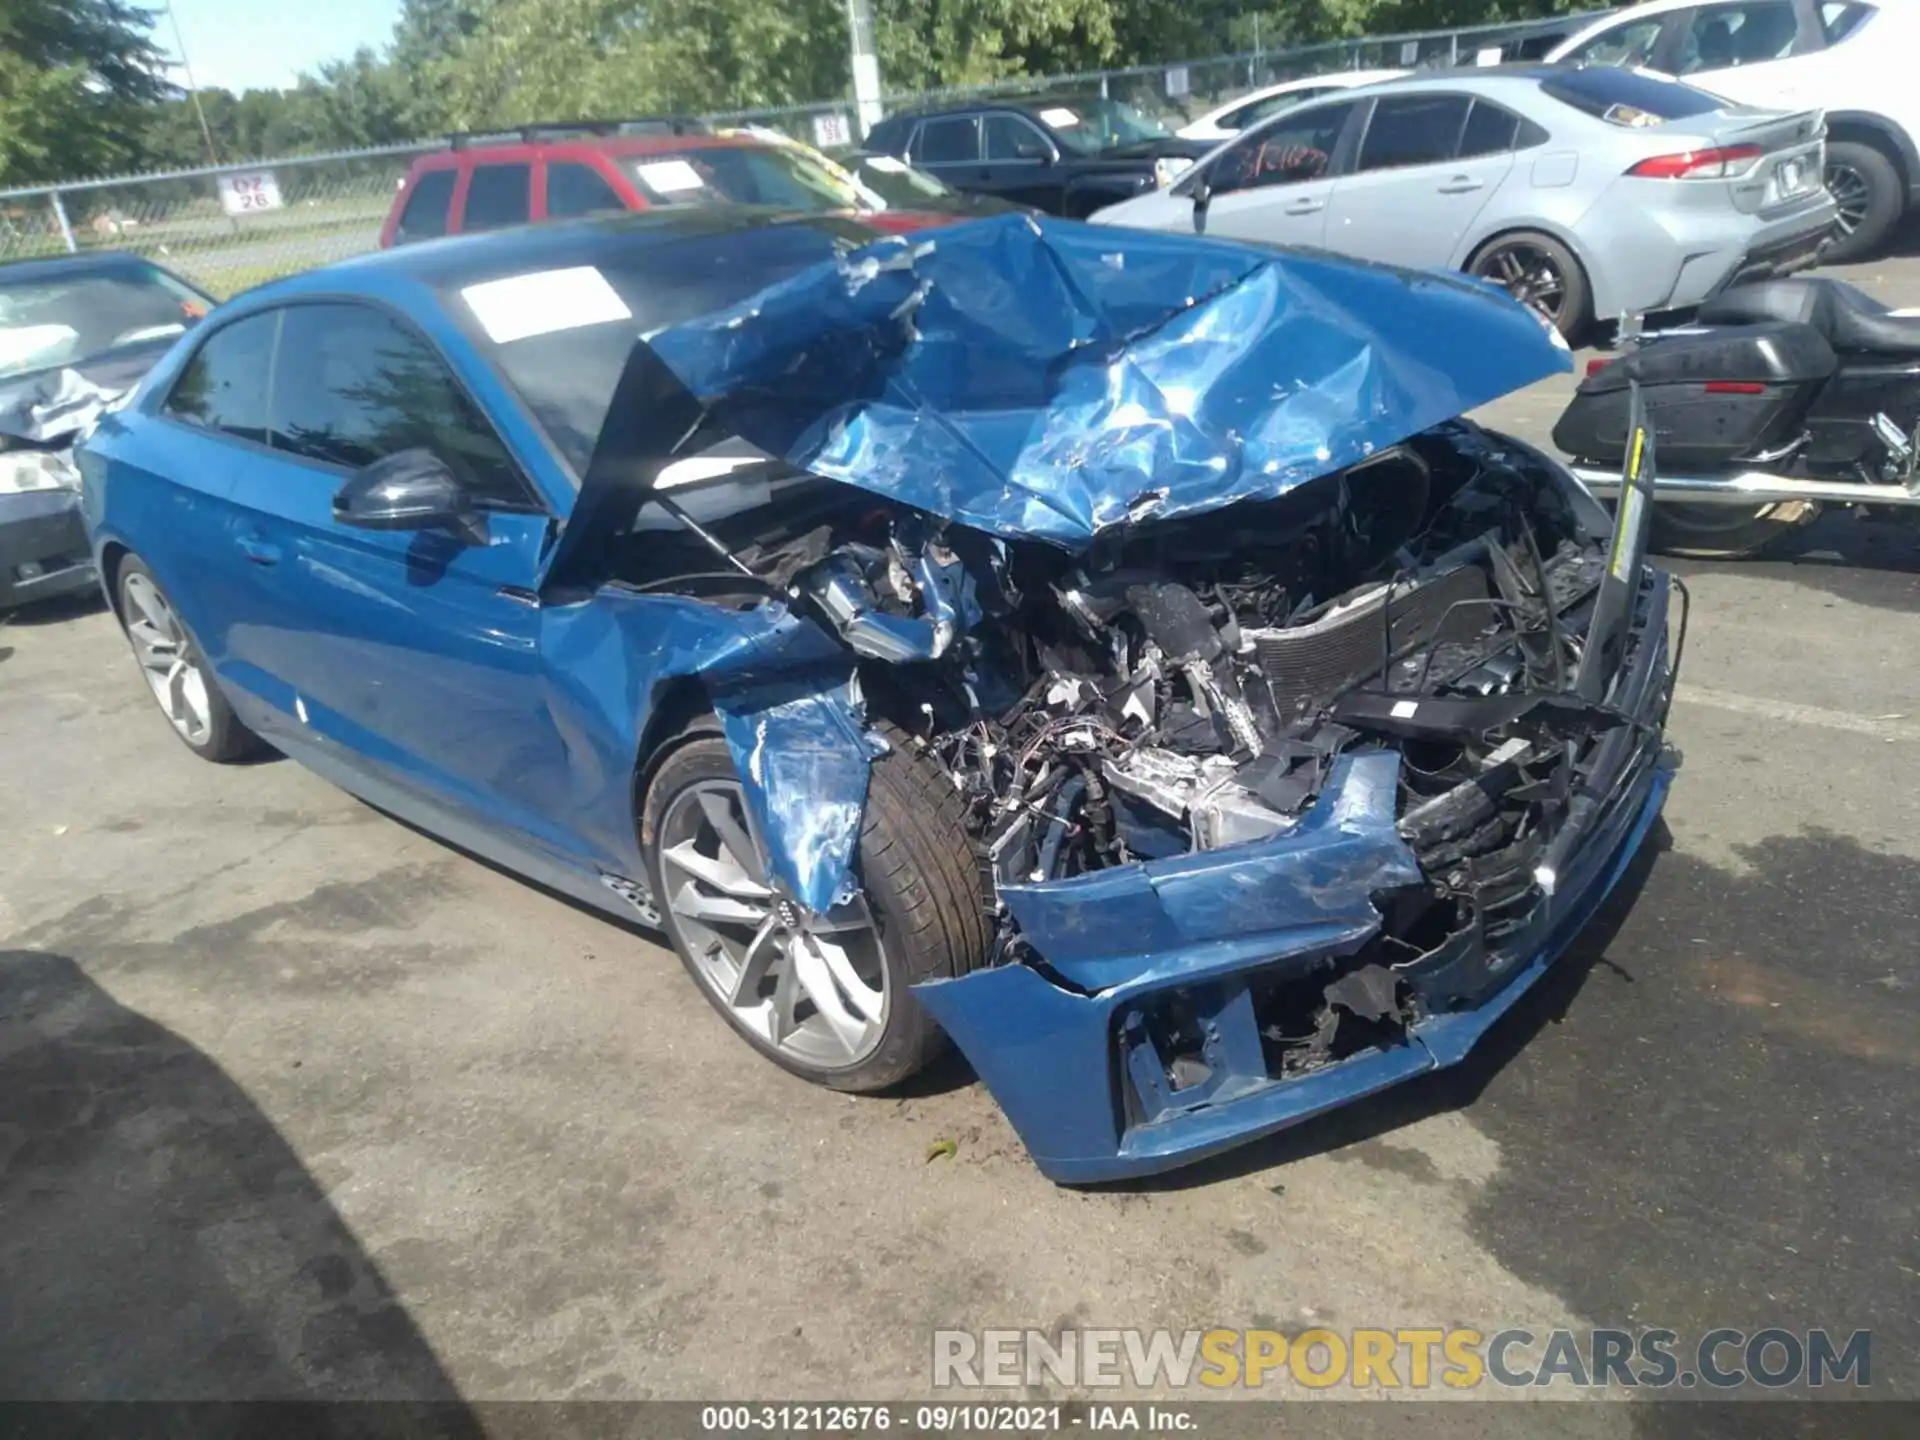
x=408, y=490
x=1202, y=197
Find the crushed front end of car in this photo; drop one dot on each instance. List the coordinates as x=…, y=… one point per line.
x=1299, y=722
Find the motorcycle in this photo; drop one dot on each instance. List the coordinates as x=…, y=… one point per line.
x=1783, y=396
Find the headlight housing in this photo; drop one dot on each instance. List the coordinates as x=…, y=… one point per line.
x=25, y=470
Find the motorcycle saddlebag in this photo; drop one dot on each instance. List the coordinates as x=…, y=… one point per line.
x=1712, y=399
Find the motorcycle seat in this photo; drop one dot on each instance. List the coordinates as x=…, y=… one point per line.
x=1850, y=320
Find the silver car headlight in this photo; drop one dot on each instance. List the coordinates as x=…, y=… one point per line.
x=24, y=470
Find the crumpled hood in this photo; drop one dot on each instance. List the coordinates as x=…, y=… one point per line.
x=1043, y=379
x=48, y=406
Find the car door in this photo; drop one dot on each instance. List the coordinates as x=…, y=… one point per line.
x=949, y=146
x=1274, y=182
x=1419, y=179
x=1632, y=42
x=409, y=654
x=1754, y=51
x=1020, y=162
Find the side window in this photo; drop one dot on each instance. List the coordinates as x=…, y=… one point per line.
x=354, y=385
x=1490, y=130
x=224, y=386
x=952, y=141
x=1629, y=44
x=1273, y=105
x=1413, y=130
x=426, y=214
x=577, y=189
x=1720, y=37
x=497, y=196
x=1298, y=146
x=1011, y=138
x=1839, y=18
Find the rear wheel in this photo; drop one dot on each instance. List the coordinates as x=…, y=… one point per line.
x=1539, y=272
x=1866, y=188
x=1726, y=532
x=828, y=997
x=176, y=672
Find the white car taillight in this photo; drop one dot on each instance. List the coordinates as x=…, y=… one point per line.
x=1718, y=162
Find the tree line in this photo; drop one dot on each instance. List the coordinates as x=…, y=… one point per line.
x=86, y=88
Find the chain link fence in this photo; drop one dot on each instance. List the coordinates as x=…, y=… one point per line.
x=232, y=226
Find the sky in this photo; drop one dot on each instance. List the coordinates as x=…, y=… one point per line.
x=263, y=44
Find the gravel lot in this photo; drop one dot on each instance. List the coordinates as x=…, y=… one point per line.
x=295, y=1100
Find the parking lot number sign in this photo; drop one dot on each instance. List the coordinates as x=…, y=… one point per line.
x=831, y=130
x=1177, y=81
x=249, y=192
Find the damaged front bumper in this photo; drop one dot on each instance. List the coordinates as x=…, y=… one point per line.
x=1067, y=1043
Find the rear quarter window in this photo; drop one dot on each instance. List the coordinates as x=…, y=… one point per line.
x=425, y=216
x=1625, y=97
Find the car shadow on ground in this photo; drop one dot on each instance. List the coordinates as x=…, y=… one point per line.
x=55, y=611
x=1440, y=1091
x=162, y=1241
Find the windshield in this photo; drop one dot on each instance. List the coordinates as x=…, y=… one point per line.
x=1628, y=97
x=895, y=181
x=743, y=175
x=1090, y=126
x=70, y=318
x=566, y=367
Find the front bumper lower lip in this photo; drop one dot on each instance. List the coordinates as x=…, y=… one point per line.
x=1050, y=1056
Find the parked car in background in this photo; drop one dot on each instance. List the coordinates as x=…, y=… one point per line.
x=76, y=333
x=1263, y=104
x=565, y=171
x=1017, y=683
x=1589, y=194
x=1854, y=59
x=882, y=183
x=1066, y=156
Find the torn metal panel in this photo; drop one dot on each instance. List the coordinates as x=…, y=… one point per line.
x=1108, y=928
x=1045, y=380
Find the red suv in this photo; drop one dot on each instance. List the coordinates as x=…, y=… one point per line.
x=555, y=172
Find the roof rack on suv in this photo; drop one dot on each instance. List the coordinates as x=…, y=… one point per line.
x=559, y=129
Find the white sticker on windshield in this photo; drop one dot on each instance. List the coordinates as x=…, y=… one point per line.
x=885, y=164
x=1060, y=117
x=667, y=176
x=544, y=302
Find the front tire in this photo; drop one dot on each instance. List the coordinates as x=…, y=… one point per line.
x=176, y=671
x=826, y=997
x=1726, y=532
x=1866, y=186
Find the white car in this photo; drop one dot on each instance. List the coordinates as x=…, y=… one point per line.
x=1230, y=119
x=1855, y=59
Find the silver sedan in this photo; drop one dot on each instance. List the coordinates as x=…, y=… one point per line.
x=1590, y=194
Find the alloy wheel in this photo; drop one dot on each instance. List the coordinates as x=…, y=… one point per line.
x=1852, y=197
x=167, y=660
x=1529, y=274
x=813, y=987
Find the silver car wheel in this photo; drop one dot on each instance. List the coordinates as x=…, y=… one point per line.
x=813, y=987
x=1852, y=197
x=1527, y=273
x=166, y=660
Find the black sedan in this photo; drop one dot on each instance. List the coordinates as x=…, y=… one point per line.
x=1065, y=156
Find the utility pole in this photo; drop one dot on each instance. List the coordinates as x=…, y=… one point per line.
x=866, y=65
x=193, y=90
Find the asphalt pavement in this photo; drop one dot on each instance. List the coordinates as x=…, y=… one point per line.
x=296, y=1100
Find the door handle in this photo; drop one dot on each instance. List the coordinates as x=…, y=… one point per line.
x=259, y=551
x=1462, y=185
x=1302, y=207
